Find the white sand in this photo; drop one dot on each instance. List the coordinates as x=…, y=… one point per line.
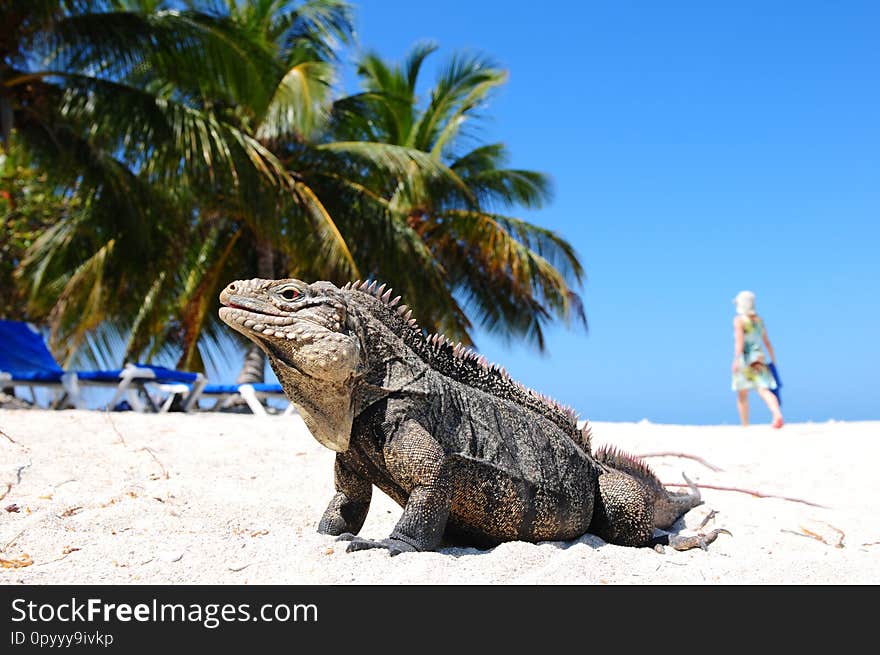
x=243, y=495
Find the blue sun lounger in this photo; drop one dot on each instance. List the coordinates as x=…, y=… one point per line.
x=25, y=360
x=134, y=378
x=252, y=394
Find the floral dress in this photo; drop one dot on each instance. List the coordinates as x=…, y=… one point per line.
x=753, y=372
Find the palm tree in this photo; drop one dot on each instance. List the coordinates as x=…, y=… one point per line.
x=300, y=39
x=293, y=232
x=192, y=147
x=161, y=122
x=447, y=245
x=104, y=97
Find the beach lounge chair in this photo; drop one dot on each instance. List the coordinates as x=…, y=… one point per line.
x=131, y=382
x=25, y=360
x=252, y=394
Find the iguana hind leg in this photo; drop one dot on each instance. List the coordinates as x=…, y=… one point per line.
x=631, y=502
x=623, y=513
x=669, y=506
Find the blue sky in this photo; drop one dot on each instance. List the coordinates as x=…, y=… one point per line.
x=696, y=150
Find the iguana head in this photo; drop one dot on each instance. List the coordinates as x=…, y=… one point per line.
x=304, y=331
x=299, y=325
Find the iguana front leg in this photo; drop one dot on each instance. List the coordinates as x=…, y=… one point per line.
x=416, y=462
x=348, y=509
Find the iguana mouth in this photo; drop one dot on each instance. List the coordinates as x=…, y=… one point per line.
x=251, y=305
x=257, y=321
x=233, y=305
x=271, y=329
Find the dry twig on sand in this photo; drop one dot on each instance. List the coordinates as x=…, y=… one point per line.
x=17, y=479
x=64, y=553
x=12, y=541
x=156, y=459
x=11, y=440
x=17, y=563
x=19, y=470
x=805, y=532
x=702, y=461
x=709, y=517
x=751, y=492
x=116, y=430
x=841, y=535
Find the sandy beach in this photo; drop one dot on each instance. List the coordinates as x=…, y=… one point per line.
x=90, y=497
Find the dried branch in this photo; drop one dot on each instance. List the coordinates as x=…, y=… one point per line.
x=6, y=493
x=750, y=492
x=709, y=517
x=805, y=532
x=702, y=461
x=19, y=470
x=64, y=554
x=116, y=430
x=156, y=459
x=21, y=562
x=841, y=535
x=12, y=541
x=11, y=440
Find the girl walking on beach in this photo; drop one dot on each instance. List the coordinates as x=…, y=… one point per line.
x=750, y=370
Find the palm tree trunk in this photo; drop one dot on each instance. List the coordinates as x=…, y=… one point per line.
x=254, y=366
x=253, y=370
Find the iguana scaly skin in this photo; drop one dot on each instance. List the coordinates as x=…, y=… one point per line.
x=471, y=455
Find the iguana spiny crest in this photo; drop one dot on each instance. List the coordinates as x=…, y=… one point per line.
x=319, y=331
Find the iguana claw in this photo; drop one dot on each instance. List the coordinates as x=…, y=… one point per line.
x=679, y=542
x=394, y=546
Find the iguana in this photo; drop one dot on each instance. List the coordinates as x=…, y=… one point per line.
x=471, y=455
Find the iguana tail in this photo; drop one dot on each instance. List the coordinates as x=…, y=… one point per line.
x=669, y=506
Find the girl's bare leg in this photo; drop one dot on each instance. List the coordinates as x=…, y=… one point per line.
x=742, y=404
x=772, y=404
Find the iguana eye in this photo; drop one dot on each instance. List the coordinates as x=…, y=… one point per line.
x=290, y=294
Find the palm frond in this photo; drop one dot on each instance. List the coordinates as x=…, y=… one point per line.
x=397, y=161
x=330, y=245
x=463, y=86
x=415, y=58
x=185, y=139
x=320, y=26
x=192, y=50
x=299, y=106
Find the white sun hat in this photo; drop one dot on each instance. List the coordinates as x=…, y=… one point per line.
x=745, y=302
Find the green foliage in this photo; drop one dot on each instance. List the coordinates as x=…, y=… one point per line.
x=445, y=230
x=154, y=150
x=29, y=206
